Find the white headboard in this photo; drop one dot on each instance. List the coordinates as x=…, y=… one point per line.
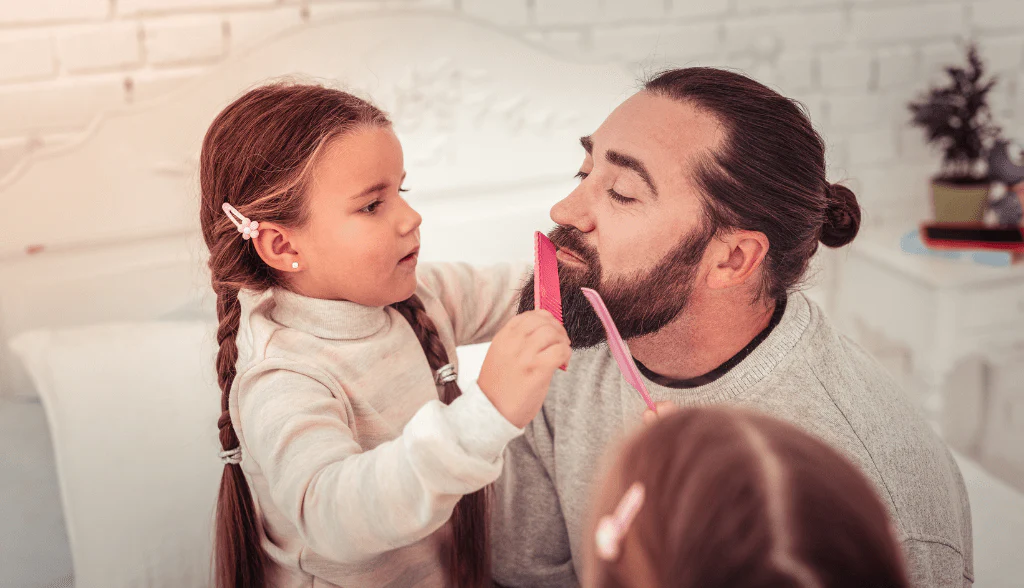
x=489, y=125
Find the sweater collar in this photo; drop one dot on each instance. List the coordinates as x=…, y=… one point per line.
x=327, y=319
x=752, y=369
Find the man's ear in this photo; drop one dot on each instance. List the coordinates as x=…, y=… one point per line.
x=276, y=248
x=736, y=255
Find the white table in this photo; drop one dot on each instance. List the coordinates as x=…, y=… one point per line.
x=942, y=311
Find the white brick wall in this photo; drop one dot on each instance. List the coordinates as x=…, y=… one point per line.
x=137, y=7
x=897, y=66
x=872, y=147
x=847, y=69
x=899, y=24
x=97, y=47
x=853, y=63
x=248, y=28
x=1005, y=15
x=42, y=11
x=681, y=42
x=66, y=105
x=795, y=71
x=698, y=8
x=187, y=39
x=512, y=14
x=24, y=56
x=636, y=10
x=796, y=30
x=753, y=6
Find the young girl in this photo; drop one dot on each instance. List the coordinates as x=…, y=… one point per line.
x=719, y=497
x=342, y=464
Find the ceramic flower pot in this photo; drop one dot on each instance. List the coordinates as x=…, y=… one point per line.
x=959, y=203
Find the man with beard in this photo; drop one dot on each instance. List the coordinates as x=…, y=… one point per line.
x=702, y=199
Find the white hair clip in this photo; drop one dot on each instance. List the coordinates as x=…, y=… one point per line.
x=245, y=226
x=612, y=528
x=446, y=373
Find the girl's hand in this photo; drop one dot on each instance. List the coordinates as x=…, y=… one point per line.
x=520, y=362
x=664, y=408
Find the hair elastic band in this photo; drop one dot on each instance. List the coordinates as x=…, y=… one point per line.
x=245, y=226
x=612, y=528
x=231, y=456
x=446, y=373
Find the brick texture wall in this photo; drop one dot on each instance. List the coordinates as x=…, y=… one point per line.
x=853, y=63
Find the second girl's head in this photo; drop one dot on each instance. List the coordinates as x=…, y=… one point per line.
x=732, y=498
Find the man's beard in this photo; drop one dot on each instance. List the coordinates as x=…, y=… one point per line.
x=640, y=304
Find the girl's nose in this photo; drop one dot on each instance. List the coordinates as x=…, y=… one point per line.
x=411, y=220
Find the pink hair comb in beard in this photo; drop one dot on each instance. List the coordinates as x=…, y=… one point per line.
x=619, y=349
x=546, y=292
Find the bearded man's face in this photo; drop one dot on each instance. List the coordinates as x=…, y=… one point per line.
x=635, y=228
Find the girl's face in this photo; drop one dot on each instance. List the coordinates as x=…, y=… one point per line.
x=362, y=239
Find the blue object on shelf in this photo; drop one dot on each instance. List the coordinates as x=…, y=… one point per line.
x=911, y=243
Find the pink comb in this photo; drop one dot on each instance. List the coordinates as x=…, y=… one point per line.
x=619, y=349
x=546, y=293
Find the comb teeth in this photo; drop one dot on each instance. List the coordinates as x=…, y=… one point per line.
x=618, y=347
x=546, y=293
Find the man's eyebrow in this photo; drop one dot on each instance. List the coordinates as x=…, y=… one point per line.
x=588, y=144
x=622, y=160
x=631, y=163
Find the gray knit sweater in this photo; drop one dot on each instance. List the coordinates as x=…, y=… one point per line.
x=803, y=372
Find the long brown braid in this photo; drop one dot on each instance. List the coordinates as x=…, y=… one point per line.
x=469, y=559
x=256, y=156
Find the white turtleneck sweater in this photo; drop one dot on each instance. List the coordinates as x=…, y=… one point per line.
x=353, y=462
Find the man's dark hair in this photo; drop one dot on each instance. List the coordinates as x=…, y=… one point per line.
x=768, y=174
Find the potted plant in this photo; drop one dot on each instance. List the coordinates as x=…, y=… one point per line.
x=956, y=117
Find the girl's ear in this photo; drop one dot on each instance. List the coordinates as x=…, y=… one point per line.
x=276, y=248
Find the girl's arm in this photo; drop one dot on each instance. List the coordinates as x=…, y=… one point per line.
x=348, y=504
x=479, y=300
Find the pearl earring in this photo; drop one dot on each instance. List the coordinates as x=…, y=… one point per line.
x=295, y=265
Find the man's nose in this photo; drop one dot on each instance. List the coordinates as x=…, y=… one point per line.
x=574, y=210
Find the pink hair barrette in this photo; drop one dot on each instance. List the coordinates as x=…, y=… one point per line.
x=612, y=528
x=249, y=229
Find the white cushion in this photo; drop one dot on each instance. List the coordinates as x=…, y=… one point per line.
x=132, y=410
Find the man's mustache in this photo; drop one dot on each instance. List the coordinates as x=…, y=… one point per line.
x=570, y=239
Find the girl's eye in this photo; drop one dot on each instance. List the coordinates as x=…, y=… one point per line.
x=371, y=207
x=620, y=198
x=582, y=175
x=403, y=189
